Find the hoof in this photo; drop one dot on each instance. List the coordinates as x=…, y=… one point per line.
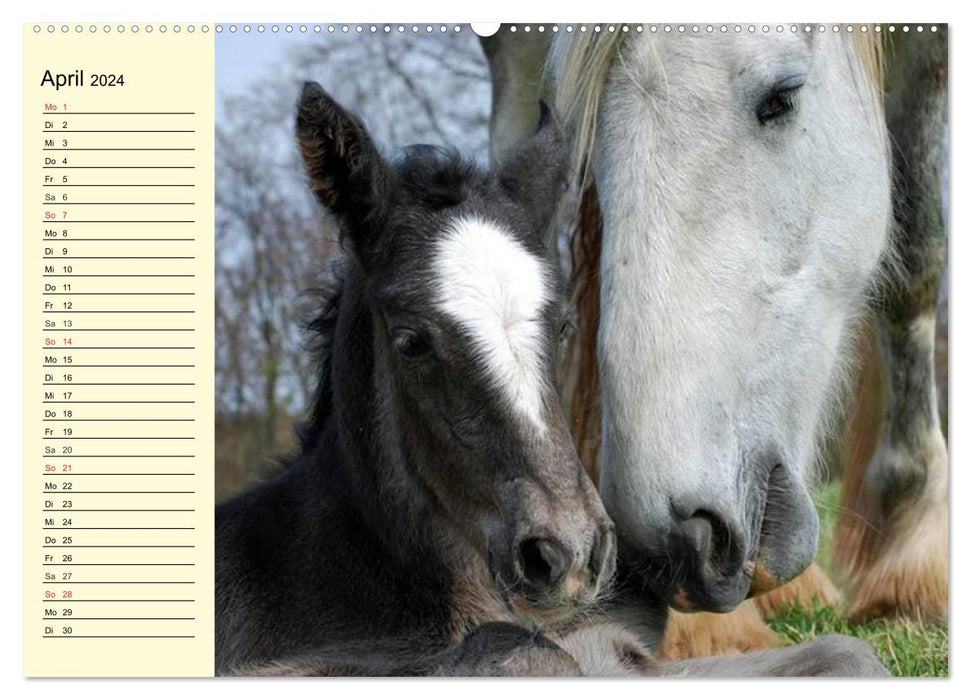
x=909, y=578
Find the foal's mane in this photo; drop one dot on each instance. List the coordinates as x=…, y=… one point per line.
x=323, y=328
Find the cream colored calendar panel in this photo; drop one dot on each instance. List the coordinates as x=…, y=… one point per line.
x=118, y=350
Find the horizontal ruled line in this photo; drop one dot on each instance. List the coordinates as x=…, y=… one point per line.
x=119, y=330
x=119, y=221
x=102, y=401
x=118, y=456
x=167, y=492
x=73, y=564
x=74, y=474
x=72, y=617
x=119, y=546
x=72, y=527
x=74, y=365
x=118, y=131
x=117, y=383
x=118, y=420
x=119, y=600
x=119, y=167
x=59, y=114
x=129, y=240
x=118, y=438
x=126, y=185
x=73, y=437
x=116, y=311
x=114, y=204
x=108, y=583
x=119, y=636
x=117, y=149
x=146, y=275
x=119, y=294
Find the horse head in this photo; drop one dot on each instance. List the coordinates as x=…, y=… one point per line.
x=462, y=306
x=745, y=196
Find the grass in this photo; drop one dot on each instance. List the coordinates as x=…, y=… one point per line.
x=907, y=648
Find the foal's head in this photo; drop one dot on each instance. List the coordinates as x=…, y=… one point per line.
x=465, y=317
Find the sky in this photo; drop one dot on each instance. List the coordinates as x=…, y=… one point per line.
x=243, y=58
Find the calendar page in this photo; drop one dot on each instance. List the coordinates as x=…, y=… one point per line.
x=470, y=350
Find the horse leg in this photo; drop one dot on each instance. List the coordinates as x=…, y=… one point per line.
x=505, y=649
x=602, y=649
x=833, y=655
x=492, y=649
x=596, y=648
x=692, y=635
x=892, y=540
x=606, y=649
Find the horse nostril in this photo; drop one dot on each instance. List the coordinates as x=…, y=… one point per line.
x=717, y=547
x=544, y=562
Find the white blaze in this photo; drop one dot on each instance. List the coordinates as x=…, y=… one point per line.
x=496, y=290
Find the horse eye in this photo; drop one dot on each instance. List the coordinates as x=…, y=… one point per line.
x=777, y=104
x=410, y=343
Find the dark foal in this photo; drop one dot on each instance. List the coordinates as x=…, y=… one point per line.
x=436, y=488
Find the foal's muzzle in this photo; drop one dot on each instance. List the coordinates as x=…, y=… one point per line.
x=545, y=571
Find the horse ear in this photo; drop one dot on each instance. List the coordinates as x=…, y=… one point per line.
x=346, y=172
x=536, y=174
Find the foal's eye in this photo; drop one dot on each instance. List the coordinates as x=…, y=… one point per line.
x=779, y=102
x=410, y=343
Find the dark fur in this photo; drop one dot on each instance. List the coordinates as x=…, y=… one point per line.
x=364, y=550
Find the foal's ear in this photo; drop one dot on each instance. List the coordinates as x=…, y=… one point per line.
x=346, y=171
x=536, y=174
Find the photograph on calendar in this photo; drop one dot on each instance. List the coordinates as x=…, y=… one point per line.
x=581, y=350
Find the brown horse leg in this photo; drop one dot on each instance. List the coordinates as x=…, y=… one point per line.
x=891, y=542
x=893, y=534
x=691, y=635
